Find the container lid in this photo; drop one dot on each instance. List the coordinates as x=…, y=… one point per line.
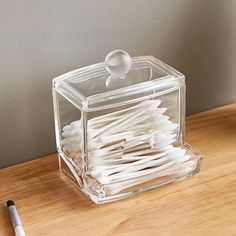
x=118, y=81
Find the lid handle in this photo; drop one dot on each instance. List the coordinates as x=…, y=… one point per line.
x=118, y=63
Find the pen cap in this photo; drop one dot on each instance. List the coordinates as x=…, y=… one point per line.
x=15, y=219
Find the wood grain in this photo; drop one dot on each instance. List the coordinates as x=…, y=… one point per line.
x=203, y=205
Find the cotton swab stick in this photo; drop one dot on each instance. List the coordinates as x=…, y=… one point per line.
x=143, y=163
x=141, y=104
x=118, y=187
x=162, y=170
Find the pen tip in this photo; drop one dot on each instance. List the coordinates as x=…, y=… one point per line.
x=10, y=203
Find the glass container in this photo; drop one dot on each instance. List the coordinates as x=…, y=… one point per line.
x=120, y=127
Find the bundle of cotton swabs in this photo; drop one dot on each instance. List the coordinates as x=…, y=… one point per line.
x=128, y=147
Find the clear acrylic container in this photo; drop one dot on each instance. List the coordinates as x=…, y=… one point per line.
x=120, y=127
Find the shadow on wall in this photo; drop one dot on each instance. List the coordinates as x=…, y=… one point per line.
x=204, y=54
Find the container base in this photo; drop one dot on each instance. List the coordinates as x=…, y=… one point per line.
x=100, y=193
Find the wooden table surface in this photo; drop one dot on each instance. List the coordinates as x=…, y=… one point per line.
x=203, y=205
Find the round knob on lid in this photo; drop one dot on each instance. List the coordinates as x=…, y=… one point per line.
x=118, y=63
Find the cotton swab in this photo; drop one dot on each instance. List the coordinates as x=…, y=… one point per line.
x=118, y=187
x=128, y=147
